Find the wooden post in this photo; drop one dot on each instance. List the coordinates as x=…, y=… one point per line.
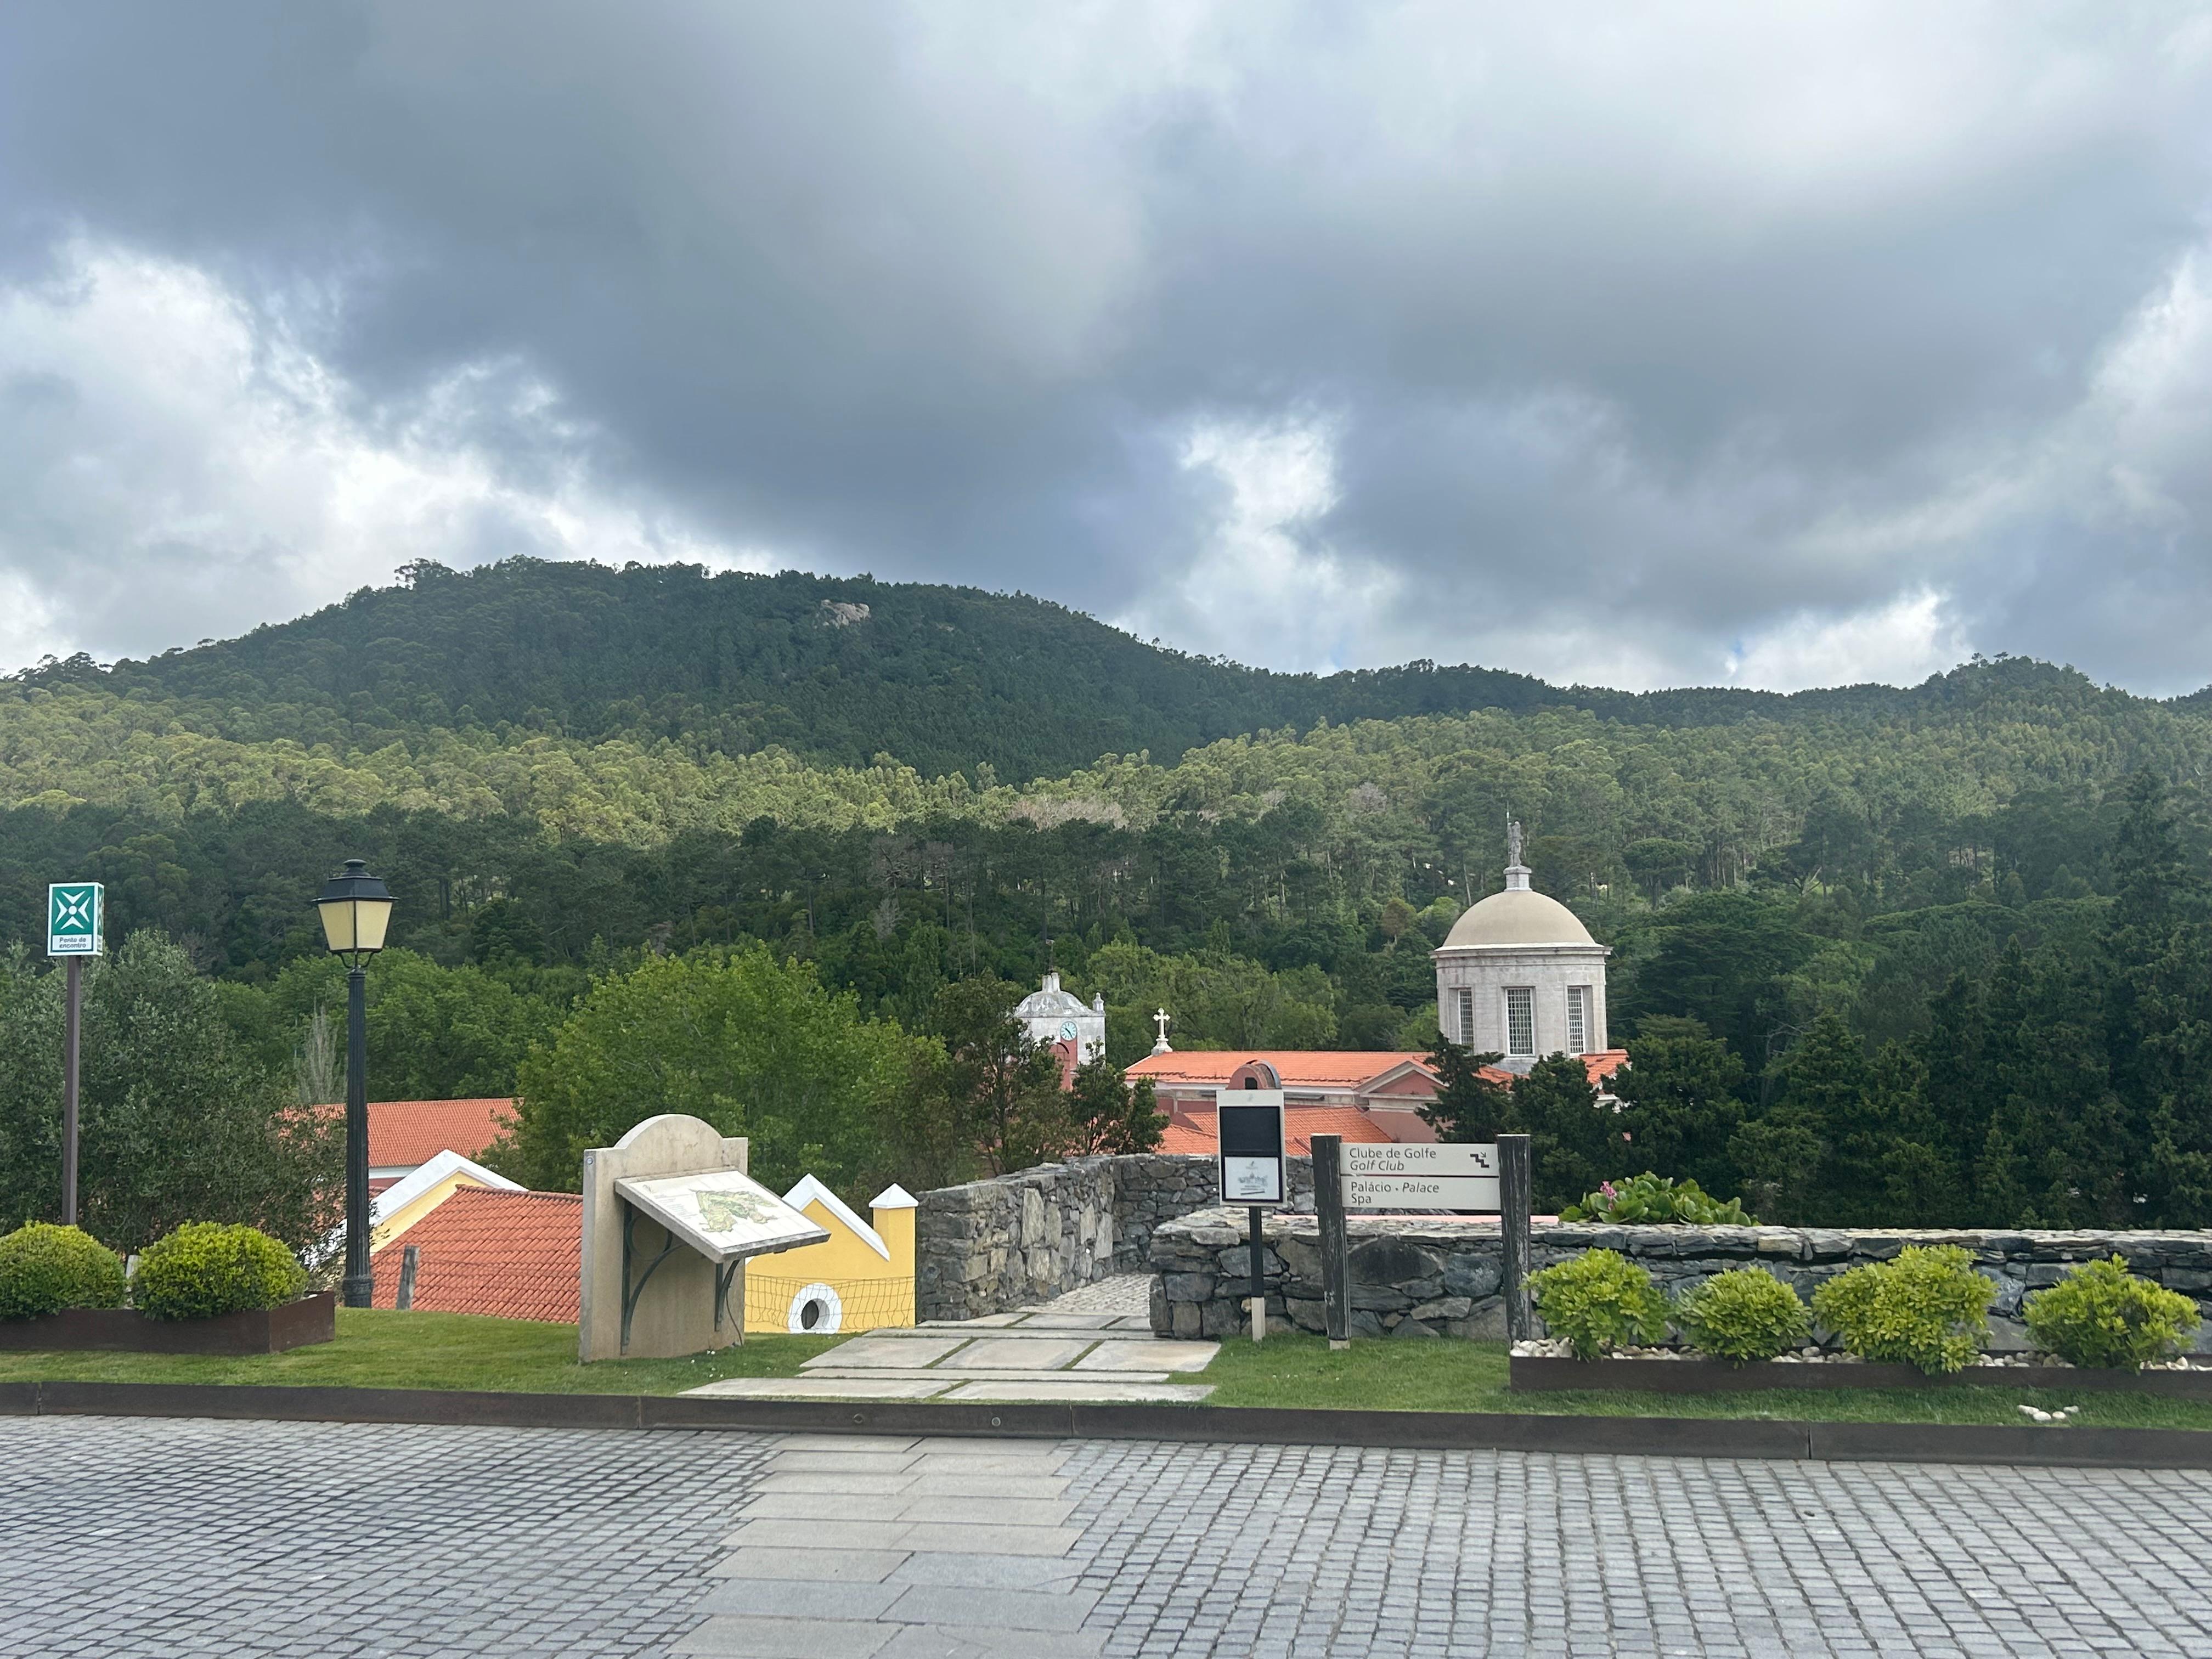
x=1513, y=1184
x=410, y=1260
x=1335, y=1271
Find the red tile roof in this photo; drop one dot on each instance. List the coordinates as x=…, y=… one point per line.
x=1600, y=1066
x=403, y=1134
x=1299, y=1068
x=514, y=1254
x=1300, y=1124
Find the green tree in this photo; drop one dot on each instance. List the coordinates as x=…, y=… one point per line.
x=1003, y=1087
x=1112, y=1115
x=753, y=1045
x=176, y=1123
x=1575, y=1140
x=1472, y=1106
x=1683, y=1091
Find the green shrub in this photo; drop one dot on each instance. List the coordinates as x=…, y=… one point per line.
x=1743, y=1314
x=205, y=1268
x=1928, y=1308
x=2100, y=1314
x=45, y=1268
x=1597, y=1301
x=1650, y=1199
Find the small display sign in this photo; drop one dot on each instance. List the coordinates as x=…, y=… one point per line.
x=1250, y=1126
x=74, y=918
x=723, y=1214
x=1417, y=1176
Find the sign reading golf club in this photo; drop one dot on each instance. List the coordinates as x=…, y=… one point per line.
x=1251, y=1139
x=73, y=919
x=1417, y=1177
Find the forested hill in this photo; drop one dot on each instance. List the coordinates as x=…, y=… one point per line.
x=841, y=670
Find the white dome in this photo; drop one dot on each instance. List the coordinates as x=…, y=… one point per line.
x=1517, y=916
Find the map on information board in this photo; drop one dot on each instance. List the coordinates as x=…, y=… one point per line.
x=721, y=1213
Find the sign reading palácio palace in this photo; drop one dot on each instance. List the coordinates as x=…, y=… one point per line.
x=1414, y=1176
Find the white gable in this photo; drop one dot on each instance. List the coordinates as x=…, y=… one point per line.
x=808, y=1190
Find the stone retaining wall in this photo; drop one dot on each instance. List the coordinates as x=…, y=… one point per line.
x=991, y=1246
x=1434, y=1277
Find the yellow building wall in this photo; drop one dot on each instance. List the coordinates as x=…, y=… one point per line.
x=873, y=1293
x=398, y=1223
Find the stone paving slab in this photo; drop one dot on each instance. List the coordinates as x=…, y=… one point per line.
x=987, y=1642
x=878, y=1349
x=974, y=1374
x=839, y=1566
x=909, y=1386
x=1127, y=1356
x=1104, y=1390
x=787, y=1638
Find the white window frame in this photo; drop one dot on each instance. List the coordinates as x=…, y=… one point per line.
x=1529, y=993
x=1578, y=1025
x=1463, y=1006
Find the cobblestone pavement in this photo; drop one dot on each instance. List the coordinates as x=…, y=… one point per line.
x=125, y=1538
x=1124, y=1293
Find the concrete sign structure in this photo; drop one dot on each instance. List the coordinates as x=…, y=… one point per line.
x=663, y=1274
x=1420, y=1176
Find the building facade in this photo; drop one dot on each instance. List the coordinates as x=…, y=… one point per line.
x=1519, y=976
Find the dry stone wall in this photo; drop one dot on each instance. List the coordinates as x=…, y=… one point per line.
x=1430, y=1277
x=992, y=1246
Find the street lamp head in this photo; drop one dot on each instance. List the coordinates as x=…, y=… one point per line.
x=356, y=908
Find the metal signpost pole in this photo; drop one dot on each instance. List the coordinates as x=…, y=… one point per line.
x=1256, y=1216
x=1513, y=1181
x=74, y=927
x=1328, y=1207
x=358, y=1289
x=71, y=1031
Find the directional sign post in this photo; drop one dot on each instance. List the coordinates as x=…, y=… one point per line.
x=73, y=932
x=1249, y=1124
x=1418, y=1175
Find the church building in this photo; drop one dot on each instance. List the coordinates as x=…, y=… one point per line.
x=1521, y=976
x=1063, y=1022
x=1518, y=975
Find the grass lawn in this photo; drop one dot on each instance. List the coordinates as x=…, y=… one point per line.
x=378, y=1348
x=381, y=1349
x=1299, y=1370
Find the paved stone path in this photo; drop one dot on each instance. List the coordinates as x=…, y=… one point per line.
x=1037, y=1354
x=145, y=1539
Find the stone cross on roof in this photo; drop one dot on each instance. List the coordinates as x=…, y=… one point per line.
x=1160, y=1019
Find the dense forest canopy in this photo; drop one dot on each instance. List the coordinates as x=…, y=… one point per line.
x=566, y=772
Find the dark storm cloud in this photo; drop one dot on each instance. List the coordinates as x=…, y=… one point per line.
x=1717, y=338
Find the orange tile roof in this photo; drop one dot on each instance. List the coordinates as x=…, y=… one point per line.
x=1300, y=1125
x=403, y=1134
x=513, y=1255
x=1600, y=1066
x=1299, y=1068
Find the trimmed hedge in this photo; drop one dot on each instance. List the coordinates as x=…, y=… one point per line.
x=1597, y=1301
x=1742, y=1315
x=2100, y=1314
x=45, y=1268
x=205, y=1268
x=1927, y=1308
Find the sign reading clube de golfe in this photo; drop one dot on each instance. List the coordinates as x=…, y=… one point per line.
x=1415, y=1176
x=73, y=919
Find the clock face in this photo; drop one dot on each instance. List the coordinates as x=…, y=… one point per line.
x=1067, y=1030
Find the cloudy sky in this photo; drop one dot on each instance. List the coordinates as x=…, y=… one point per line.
x=1664, y=343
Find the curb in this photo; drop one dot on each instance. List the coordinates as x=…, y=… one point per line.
x=2025, y=1446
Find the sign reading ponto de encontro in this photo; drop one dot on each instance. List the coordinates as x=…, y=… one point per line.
x=73, y=919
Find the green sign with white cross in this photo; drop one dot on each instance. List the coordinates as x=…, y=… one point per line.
x=73, y=919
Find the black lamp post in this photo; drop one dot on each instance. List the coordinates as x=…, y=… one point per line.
x=356, y=908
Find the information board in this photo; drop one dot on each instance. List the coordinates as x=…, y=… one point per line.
x=723, y=1214
x=1418, y=1175
x=73, y=919
x=1250, y=1126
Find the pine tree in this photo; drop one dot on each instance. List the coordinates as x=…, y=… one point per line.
x=1682, y=1089
x=1471, y=1107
